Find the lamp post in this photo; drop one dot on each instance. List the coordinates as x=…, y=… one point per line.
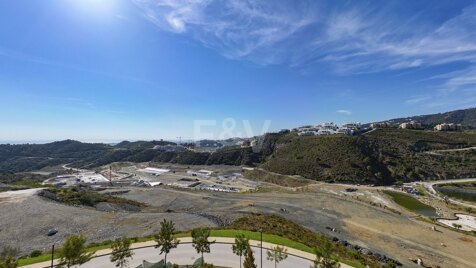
x=261, y=246
x=53, y=232
x=52, y=254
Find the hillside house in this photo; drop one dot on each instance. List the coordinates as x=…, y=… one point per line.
x=448, y=127
x=410, y=125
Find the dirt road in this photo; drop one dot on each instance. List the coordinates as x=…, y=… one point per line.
x=370, y=226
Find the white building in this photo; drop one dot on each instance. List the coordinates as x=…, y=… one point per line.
x=202, y=173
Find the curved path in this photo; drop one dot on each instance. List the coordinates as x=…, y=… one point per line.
x=429, y=186
x=221, y=255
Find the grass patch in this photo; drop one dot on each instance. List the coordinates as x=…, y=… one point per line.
x=412, y=204
x=282, y=180
x=285, y=232
x=41, y=258
x=84, y=197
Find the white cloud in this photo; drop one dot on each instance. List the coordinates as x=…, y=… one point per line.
x=462, y=80
x=455, y=89
x=352, y=39
x=237, y=29
x=344, y=112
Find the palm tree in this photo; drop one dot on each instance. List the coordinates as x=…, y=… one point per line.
x=241, y=245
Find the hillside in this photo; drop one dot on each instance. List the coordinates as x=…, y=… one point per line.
x=30, y=157
x=141, y=144
x=381, y=157
x=466, y=117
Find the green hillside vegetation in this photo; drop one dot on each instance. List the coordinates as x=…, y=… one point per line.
x=141, y=144
x=77, y=196
x=21, y=179
x=276, y=225
x=329, y=158
x=466, y=117
x=381, y=157
x=30, y=157
x=275, y=178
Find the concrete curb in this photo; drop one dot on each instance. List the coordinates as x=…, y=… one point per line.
x=188, y=240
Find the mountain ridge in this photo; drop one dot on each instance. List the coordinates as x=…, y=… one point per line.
x=465, y=117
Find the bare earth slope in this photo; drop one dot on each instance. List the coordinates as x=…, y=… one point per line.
x=378, y=229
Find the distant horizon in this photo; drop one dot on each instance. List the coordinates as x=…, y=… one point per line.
x=142, y=69
x=184, y=140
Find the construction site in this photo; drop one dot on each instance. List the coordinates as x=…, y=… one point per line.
x=362, y=217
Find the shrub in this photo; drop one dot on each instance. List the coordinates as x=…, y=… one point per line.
x=35, y=253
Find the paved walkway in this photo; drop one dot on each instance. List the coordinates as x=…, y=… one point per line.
x=221, y=255
x=429, y=185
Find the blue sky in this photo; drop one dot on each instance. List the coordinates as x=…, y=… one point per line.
x=108, y=70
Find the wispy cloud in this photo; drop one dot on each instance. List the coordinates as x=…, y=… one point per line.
x=457, y=89
x=237, y=29
x=351, y=38
x=344, y=112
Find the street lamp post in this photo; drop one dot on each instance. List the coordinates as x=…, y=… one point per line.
x=52, y=254
x=261, y=245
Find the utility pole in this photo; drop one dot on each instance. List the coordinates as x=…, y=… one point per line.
x=180, y=139
x=110, y=175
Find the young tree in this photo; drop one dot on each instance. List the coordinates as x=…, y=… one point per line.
x=8, y=258
x=165, y=239
x=121, y=252
x=200, y=241
x=323, y=255
x=277, y=254
x=74, y=252
x=241, y=245
x=250, y=259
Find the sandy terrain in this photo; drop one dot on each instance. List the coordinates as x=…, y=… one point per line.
x=319, y=206
x=467, y=222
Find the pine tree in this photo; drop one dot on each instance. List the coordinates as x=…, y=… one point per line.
x=241, y=245
x=121, y=252
x=74, y=251
x=200, y=241
x=250, y=259
x=324, y=255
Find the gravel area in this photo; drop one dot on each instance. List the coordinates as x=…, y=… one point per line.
x=323, y=208
x=24, y=224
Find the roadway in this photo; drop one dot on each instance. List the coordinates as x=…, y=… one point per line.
x=429, y=186
x=221, y=255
